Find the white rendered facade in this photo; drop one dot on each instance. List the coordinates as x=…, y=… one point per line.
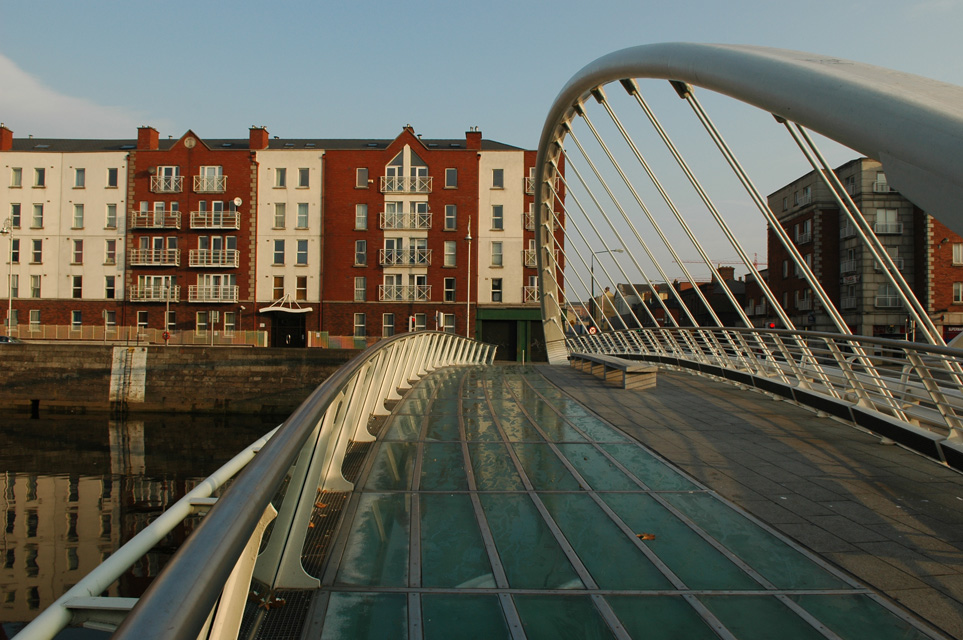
x=501, y=237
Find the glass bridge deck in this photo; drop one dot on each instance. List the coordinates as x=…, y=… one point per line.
x=495, y=506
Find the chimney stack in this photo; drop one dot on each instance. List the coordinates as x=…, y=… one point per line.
x=6, y=138
x=259, y=138
x=473, y=139
x=147, y=139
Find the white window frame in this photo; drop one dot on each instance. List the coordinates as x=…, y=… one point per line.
x=498, y=291
x=387, y=325
x=304, y=178
x=280, y=213
x=78, y=221
x=361, y=178
x=450, y=289
x=958, y=253
x=280, y=178
x=498, y=255
x=958, y=293
x=301, y=257
x=360, y=325
x=110, y=216
x=451, y=217
x=361, y=217
x=80, y=178
x=302, y=220
x=278, y=252
x=451, y=178
x=451, y=253
x=360, y=288
x=498, y=217
x=361, y=251
x=498, y=178
x=113, y=178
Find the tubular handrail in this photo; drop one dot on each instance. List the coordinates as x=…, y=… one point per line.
x=180, y=601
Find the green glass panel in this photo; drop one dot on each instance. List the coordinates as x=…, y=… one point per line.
x=404, y=427
x=858, y=616
x=442, y=427
x=517, y=428
x=561, y=618
x=452, y=550
x=373, y=616
x=446, y=616
x=529, y=552
x=759, y=618
x=600, y=472
x=474, y=407
x=376, y=552
x=493, y=467
x=543, y=468
x=595, y=428
x=782, y=565
x=613, y=560
x=446, y=402
x=443, y=467
x=697, y=563
x=392, y=468
x=481, y=427
x=649, y=469
x=660, y=618
x=555, y=428
x=413, y=406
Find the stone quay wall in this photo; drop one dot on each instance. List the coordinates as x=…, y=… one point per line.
x=81, y=378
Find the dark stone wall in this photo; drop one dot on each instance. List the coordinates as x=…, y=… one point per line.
x=74, y=378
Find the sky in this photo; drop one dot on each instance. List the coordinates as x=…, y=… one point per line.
x=321, y=69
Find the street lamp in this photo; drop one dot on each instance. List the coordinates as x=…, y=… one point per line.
x=468, y=297
x=594, y=253
x=8, y=230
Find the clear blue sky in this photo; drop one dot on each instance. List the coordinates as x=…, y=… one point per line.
x=364, y=69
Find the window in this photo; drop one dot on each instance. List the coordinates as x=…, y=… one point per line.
x=110, y=251
x=15, y=251
x=110, y=287
x=76, y=286
x=16, y=177
x=200, y=322
x=303, y=178
x=15, y=215
x=360, y=252
x=36, y=256
x=280, y=178
x=449, y=290
x=279, y=252
x=142, y=319
x=496, y=289
x=361, y=178
x=887, y=221
x=37, y=221
x=957, y=292
x=39, y=177
x=302, y=222
x=171, y=320
x=957, y=253
x=301, y=288
x=230, y=323
x=110, y=320
x=35, y=317
x=302, y=256
x=498, y=178
x=498, y=217
x=359, y=325
x=35, y=286
x=78, y=254
x=451, y=178
x=421, y=321
x=451, y=217
x=785, y=269
x=78, y=216
x=387, y=325
x=111, y=220
x=279, y=210
x=360, y=217
x=448, y=322
x=497, y=254
x=278, y=287
x=785, y=204
x=80, y=178
x=15, y=285
x=359, y=288
x=112, y=178
x=450, y=248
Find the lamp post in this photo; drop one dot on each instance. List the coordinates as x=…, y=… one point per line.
x=594, y=253
x=8, y=231
x=468, y=296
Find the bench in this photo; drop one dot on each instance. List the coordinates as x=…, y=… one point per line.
x=629, y=374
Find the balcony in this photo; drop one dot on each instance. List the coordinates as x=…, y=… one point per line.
x=404, y=257
x=804, y=304
x=803, y=199
x=888, y=302
x=155, y=220
x=759, y=310
x=214, y=258
x=888, y=228
x=215, y=220
x=154, y=258
x=155, y=294
x=166, y=184
x=848, y=302
x=883, y=187
x=897, y=261
x=212, y=293
x=804, y=238
x=529, y=220
x=404, y=221
x=529, y=259
x=849, y=266
x=847, y=231
x=531, y=182
x=210, y=184
x=404, y=293
x=529, y=293
x=396, y=184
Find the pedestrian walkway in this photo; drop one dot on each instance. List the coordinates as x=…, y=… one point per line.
x=496, y=505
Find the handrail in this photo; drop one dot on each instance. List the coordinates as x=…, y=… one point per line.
x=180, y=601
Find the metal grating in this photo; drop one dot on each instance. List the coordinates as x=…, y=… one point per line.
x=282, y=619
x=324, y=521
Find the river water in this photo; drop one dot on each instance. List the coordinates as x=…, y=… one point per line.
x=75, y=488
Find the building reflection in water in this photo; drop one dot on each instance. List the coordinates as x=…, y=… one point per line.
x=73, y=491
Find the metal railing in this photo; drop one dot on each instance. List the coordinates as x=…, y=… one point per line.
x=165, y=219
x=881, y=228
x=882, y=187
x=404, y=257
x=530, y=293
x=215, y=220
x=917, y=385
x=214, y=258
x=215, y=564
x=154, y=294
x=397, y=220
x=155, y=257
x=167, y=184
x=210, y=184
x=212, y=293
x=404, y=293
x=400, y=184
x=888, y=302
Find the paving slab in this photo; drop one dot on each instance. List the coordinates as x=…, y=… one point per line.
x=888, y=516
